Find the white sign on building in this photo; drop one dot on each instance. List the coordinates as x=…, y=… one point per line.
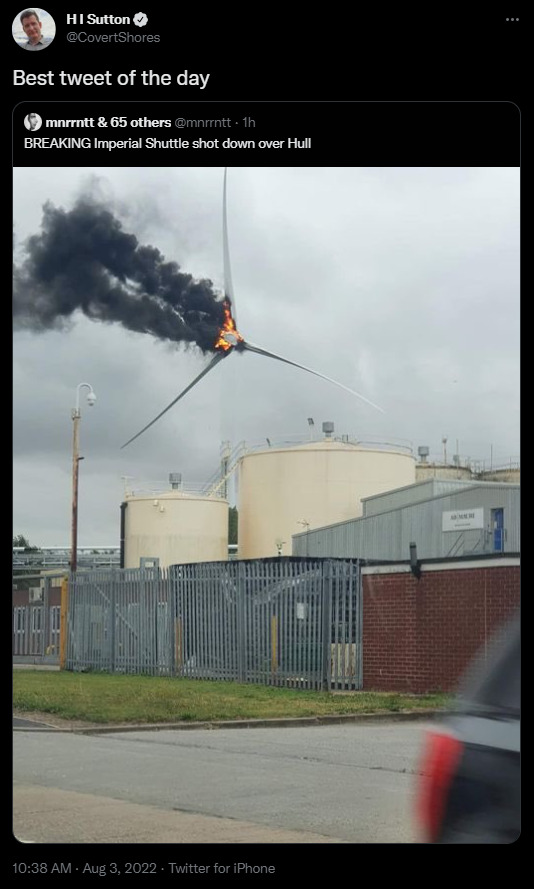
x=462, y=519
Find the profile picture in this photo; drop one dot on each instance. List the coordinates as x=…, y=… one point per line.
x=33, y=121
x=33, y=29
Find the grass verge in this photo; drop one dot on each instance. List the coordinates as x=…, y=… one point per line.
x=104, y=698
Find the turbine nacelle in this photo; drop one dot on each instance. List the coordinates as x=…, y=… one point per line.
x=230, y=339
x=229, y=336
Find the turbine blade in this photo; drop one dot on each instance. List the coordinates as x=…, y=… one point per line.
x=215, y=360
x=228, y=286
x=260, y=351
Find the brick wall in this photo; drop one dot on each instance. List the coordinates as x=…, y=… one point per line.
x=419, y=635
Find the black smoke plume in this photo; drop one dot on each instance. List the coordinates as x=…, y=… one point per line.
x=83, y=260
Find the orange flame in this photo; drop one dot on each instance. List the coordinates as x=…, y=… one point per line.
x=224, y=341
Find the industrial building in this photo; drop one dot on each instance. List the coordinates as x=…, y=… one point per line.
x=330, y=496
x=324, y=498
x=444, y=518
x=439, y=543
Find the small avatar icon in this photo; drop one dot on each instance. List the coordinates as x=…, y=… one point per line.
x=33, y=121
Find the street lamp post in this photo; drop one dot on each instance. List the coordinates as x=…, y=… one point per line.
x=76, y=414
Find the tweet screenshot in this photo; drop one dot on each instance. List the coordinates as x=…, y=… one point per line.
x=265, y=447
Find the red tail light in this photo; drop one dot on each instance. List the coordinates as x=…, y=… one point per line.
x=441, y=755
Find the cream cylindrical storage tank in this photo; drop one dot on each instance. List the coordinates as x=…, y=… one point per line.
x=510, y=475
x=283, y=491
x=425, y=471
x=175, y=528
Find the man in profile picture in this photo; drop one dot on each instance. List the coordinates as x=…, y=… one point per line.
x=32, y=27
x=32, y=121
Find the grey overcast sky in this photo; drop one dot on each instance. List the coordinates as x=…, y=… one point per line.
x=402, y=283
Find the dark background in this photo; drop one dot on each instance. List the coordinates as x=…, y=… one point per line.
x=409, y=87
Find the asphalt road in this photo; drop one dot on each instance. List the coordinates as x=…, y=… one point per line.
x=345, y=784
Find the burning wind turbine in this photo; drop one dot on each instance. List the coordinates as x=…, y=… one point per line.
x=229, y=339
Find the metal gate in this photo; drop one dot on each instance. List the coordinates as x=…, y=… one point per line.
x=120, y=621
x=289, y=622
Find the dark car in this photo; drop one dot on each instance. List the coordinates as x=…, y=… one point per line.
x=469, y=783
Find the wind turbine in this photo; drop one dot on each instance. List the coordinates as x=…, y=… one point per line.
x=231, y=340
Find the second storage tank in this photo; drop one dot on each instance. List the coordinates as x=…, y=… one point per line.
x=286, y=490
